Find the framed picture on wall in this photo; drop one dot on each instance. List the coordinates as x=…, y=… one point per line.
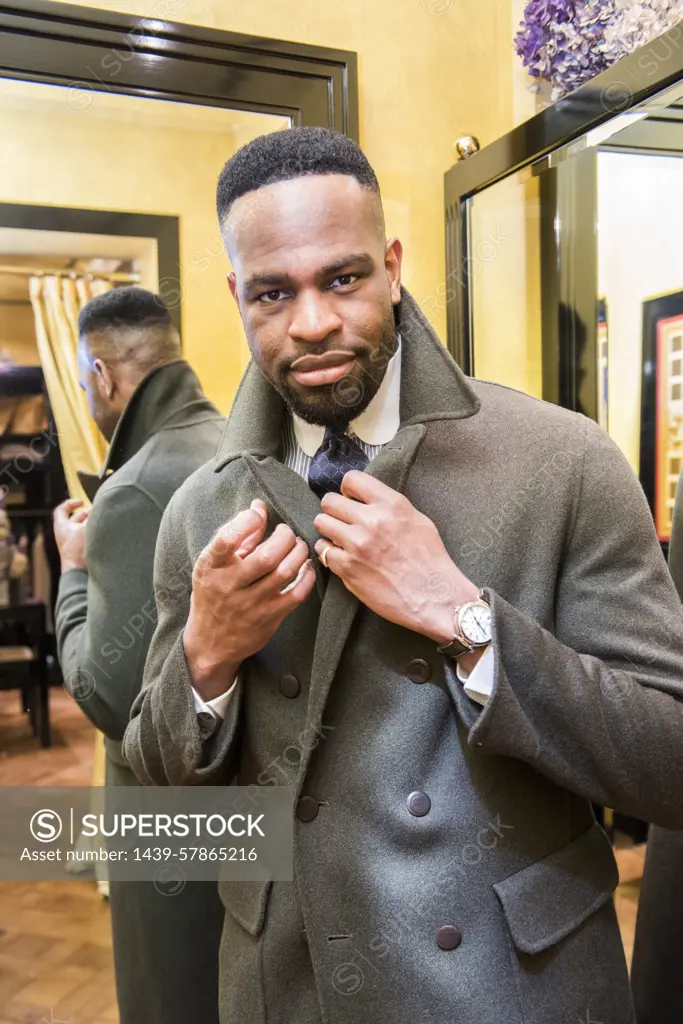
x=661, y=437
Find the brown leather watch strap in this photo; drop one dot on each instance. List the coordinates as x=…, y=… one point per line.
x=455, y=648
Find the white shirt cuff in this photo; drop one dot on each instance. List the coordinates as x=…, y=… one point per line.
x=478, y=684
x=216, y=707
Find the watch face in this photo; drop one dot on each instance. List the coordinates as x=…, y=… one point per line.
x=475, y=622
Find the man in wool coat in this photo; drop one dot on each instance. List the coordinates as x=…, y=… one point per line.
x=434, y=607
x=148, y=403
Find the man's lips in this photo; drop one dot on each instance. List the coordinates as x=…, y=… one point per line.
x=313, y=371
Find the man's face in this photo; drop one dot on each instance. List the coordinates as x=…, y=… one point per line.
x=316, y=282
x=104, y=407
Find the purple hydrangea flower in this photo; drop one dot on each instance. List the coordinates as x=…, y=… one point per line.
x=568, y=42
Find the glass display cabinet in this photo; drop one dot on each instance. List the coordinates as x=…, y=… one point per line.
x=565, y=263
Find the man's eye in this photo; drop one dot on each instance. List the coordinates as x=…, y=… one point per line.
x=273, y=296
x=344, y=280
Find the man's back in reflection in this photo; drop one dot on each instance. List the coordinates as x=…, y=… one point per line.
x=148, y=403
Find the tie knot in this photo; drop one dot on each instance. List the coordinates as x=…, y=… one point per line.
x=338, y=454
x=335, y=436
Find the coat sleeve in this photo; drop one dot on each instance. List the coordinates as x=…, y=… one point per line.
x=596, y=705
x=165, y=742
x=105, y=616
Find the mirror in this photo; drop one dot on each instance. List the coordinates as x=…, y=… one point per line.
x=640, y=280
x=576, y=285
x=98, y=190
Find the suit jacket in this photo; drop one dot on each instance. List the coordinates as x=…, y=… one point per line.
x=165, y=950
x=508, y=867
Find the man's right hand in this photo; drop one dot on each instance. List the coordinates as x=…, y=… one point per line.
x=237, y=602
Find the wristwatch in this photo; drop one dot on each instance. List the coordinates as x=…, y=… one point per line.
x=472, y=628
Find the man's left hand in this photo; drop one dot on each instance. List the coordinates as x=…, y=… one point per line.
x=391, y=557
x=69, y=520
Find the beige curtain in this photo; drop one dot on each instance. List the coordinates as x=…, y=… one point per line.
x=56, y=304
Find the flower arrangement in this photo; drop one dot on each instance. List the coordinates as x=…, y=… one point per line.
x=568, y=42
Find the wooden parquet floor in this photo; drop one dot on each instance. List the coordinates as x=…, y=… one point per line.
x=56, y=964
x=68, y=762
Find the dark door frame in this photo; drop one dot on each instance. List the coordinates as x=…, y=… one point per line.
x=568, y=355
x=60, y=44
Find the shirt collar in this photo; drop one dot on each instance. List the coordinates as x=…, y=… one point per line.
x=376, y=425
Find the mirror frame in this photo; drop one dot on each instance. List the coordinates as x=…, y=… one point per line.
x=569, y=361
x=61, y=44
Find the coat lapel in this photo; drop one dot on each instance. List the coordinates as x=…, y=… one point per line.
x=293, y=501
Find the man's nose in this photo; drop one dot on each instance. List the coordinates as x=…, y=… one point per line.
x=314, y=319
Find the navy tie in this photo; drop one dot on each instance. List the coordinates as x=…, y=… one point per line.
x=338, y=454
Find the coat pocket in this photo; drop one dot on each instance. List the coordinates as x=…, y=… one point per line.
x=565, y=944
x=247, y=903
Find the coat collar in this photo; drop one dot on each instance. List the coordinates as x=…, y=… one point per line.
x=168, y=395
x=432, y=388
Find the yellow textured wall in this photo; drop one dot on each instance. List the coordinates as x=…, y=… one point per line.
x=429, y=71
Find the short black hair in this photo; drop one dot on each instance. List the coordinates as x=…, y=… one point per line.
x=124, y=308
x=287, y=154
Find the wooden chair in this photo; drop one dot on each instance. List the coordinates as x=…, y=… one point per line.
x=27, y=664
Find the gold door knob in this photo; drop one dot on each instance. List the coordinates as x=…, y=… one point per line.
x=466, y=146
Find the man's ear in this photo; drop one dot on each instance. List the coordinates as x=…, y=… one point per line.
x=393, y=254
x=106, y=381
x=232, y=285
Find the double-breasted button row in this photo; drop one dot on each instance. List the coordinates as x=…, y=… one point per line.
x=418, y=671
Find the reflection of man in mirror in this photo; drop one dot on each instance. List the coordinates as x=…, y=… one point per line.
x=455, y=587
x=148, y=403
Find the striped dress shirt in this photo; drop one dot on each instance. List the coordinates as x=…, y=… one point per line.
x=294, y=457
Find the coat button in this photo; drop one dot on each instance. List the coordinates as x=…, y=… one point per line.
x=307, y=808
x=290, y=687
x=419, y=803
x=419, y=670
x=448, y=937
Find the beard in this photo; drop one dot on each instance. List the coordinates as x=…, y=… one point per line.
x=106, y=418
x=330, y=405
